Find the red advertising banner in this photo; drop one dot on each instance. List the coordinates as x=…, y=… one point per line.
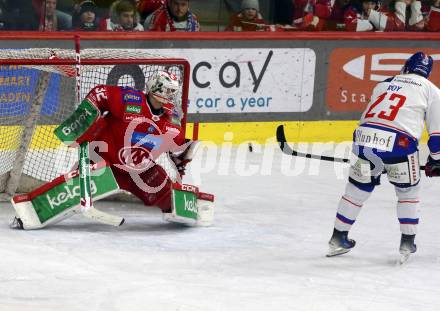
x=353, y=73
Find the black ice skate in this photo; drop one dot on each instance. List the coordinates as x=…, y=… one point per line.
x=340, y=243
x=16, y=223
x=407, y=247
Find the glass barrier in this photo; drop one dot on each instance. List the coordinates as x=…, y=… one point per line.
x=220, y=15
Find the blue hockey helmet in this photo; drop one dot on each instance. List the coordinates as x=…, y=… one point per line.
x=419, y=63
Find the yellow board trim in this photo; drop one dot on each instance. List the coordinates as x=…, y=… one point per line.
x=218, y=133
x=298, y=131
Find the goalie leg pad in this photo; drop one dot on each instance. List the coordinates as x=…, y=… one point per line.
x=189, y=206
x=205, y=209
x=60, y=198
x=28, y=215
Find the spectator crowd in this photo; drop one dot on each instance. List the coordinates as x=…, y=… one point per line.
x=245, y=15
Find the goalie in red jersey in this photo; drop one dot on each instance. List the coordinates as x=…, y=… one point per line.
x=128, y=131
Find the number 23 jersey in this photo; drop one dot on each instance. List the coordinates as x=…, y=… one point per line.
x=402, y=103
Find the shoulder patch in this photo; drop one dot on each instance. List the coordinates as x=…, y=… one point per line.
x=131, y=96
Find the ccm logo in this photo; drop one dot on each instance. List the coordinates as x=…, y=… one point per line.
x=189, y=188
x=389, y=62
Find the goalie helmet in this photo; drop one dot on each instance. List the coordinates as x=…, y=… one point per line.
x=163, y=86
x=419, y=63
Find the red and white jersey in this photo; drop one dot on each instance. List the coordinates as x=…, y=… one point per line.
x=356, y=20
x=306, y=11
x=400, y=103
x=130, y=127
x=434, y=19
x=149, y=6
x=389, y=20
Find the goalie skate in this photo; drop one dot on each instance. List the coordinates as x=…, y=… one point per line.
x=16, y=223
x=340, y=243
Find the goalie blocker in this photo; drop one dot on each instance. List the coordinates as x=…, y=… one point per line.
x=60, y=199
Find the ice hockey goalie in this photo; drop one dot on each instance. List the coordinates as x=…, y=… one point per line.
x=127, y=130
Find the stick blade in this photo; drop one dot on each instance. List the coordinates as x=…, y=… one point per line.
x=102, y=217
x=281, y=138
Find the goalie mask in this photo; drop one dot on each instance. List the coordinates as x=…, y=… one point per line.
x=163, y=86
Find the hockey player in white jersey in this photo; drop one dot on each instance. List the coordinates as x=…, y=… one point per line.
x=387, y=141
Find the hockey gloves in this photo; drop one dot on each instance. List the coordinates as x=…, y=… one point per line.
x=432, y=167
x=183, y=158
x=180, y=164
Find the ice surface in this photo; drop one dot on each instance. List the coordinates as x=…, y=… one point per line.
x=266, y=250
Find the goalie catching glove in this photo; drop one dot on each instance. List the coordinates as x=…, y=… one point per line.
x=181, y=159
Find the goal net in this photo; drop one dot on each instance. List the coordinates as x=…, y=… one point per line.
x=37, y=92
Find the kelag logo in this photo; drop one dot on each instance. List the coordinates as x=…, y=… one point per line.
x=353, y=73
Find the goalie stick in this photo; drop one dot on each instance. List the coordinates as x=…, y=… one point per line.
x=86, y=202
x=285, y=148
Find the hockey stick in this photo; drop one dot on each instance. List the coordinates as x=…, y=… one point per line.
x=86, y=202
x=285, y=148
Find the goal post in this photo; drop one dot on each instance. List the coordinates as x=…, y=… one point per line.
x=37, y=92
